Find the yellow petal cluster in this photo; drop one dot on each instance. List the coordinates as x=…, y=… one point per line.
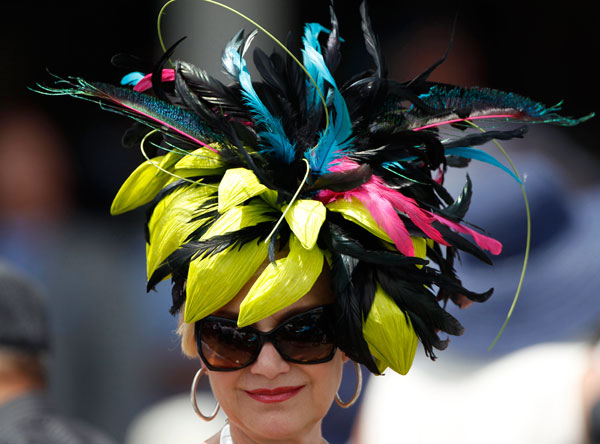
x=215, y=280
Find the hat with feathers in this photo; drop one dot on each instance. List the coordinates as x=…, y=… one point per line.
x=348, y=175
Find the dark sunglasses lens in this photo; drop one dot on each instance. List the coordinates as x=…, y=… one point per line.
x=306, y=338
x=226, y=347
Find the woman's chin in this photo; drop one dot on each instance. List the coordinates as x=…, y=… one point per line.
x=278, y=420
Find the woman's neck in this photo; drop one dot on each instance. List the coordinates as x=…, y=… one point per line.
x=240, y=436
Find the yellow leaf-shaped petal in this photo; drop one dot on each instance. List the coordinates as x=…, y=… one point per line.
x=202, y=158
x=240, y=217
x=389, y=334
x=197, y=172
x=169, y=160
x=282, y=283
x=356, y=212
x=237, y=186
x=140, y=187
x=215, y=280
x=174, y=218
x=305, y=218
x=270, y=197
x=420, y=245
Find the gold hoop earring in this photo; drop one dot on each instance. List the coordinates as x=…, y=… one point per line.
x=357, y=390
x=195, y=403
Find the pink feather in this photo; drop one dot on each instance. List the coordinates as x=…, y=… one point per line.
x=386, y=217
x=383, y=203
x=168, y=75
x=484, y=242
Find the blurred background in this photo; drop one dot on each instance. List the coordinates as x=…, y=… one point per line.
x=115, y=352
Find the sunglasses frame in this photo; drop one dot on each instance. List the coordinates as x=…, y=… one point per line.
x=263, y=337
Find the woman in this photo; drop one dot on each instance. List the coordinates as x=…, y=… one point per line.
x=273, y=399
x=302, y=222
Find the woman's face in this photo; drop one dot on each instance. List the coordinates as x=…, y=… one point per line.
x=272, y=397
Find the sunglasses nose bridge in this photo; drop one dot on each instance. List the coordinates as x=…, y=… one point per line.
x=271, y=337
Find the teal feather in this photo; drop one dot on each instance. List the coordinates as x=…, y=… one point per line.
x=465, y=152
x=486, y=101
x=141, y=107
x=474, y=153
x=313, y=67
x=132, y=78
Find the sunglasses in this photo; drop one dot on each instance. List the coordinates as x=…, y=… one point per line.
x=306, y=338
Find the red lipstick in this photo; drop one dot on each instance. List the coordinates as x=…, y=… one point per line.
x=278, y=394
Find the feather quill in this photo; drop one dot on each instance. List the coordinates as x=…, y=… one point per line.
x=142, y=107
x=486, y=103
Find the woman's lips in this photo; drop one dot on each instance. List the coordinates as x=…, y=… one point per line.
x=278, y=394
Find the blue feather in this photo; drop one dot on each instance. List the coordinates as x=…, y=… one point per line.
x=336, y=139
x=274, y=139
x=132, y=78
x=312, y=47
x=465, y=152
x=474, y=153
x=235, y=48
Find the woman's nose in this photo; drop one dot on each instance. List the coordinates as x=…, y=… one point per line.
x=269, y=363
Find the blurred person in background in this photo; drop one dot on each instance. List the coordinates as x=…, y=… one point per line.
x=26, y=415
x=539, y=383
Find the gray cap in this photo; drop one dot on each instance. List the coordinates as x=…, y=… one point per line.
x=23, y=321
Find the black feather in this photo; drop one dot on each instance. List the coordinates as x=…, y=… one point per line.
x=461, y=243
x=458, y=210
x=481, y=138
x=332, y=55
x=421, y=78
x=349, y=315
x=344, y=180
x=371, y=41
x=340, y=240
x=193, y=102
x=157, y=83
x=416, y=298
x=268, y=72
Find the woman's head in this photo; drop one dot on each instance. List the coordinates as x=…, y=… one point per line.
x=273, y=396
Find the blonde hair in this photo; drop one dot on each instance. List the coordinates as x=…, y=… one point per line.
x=185, y=331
